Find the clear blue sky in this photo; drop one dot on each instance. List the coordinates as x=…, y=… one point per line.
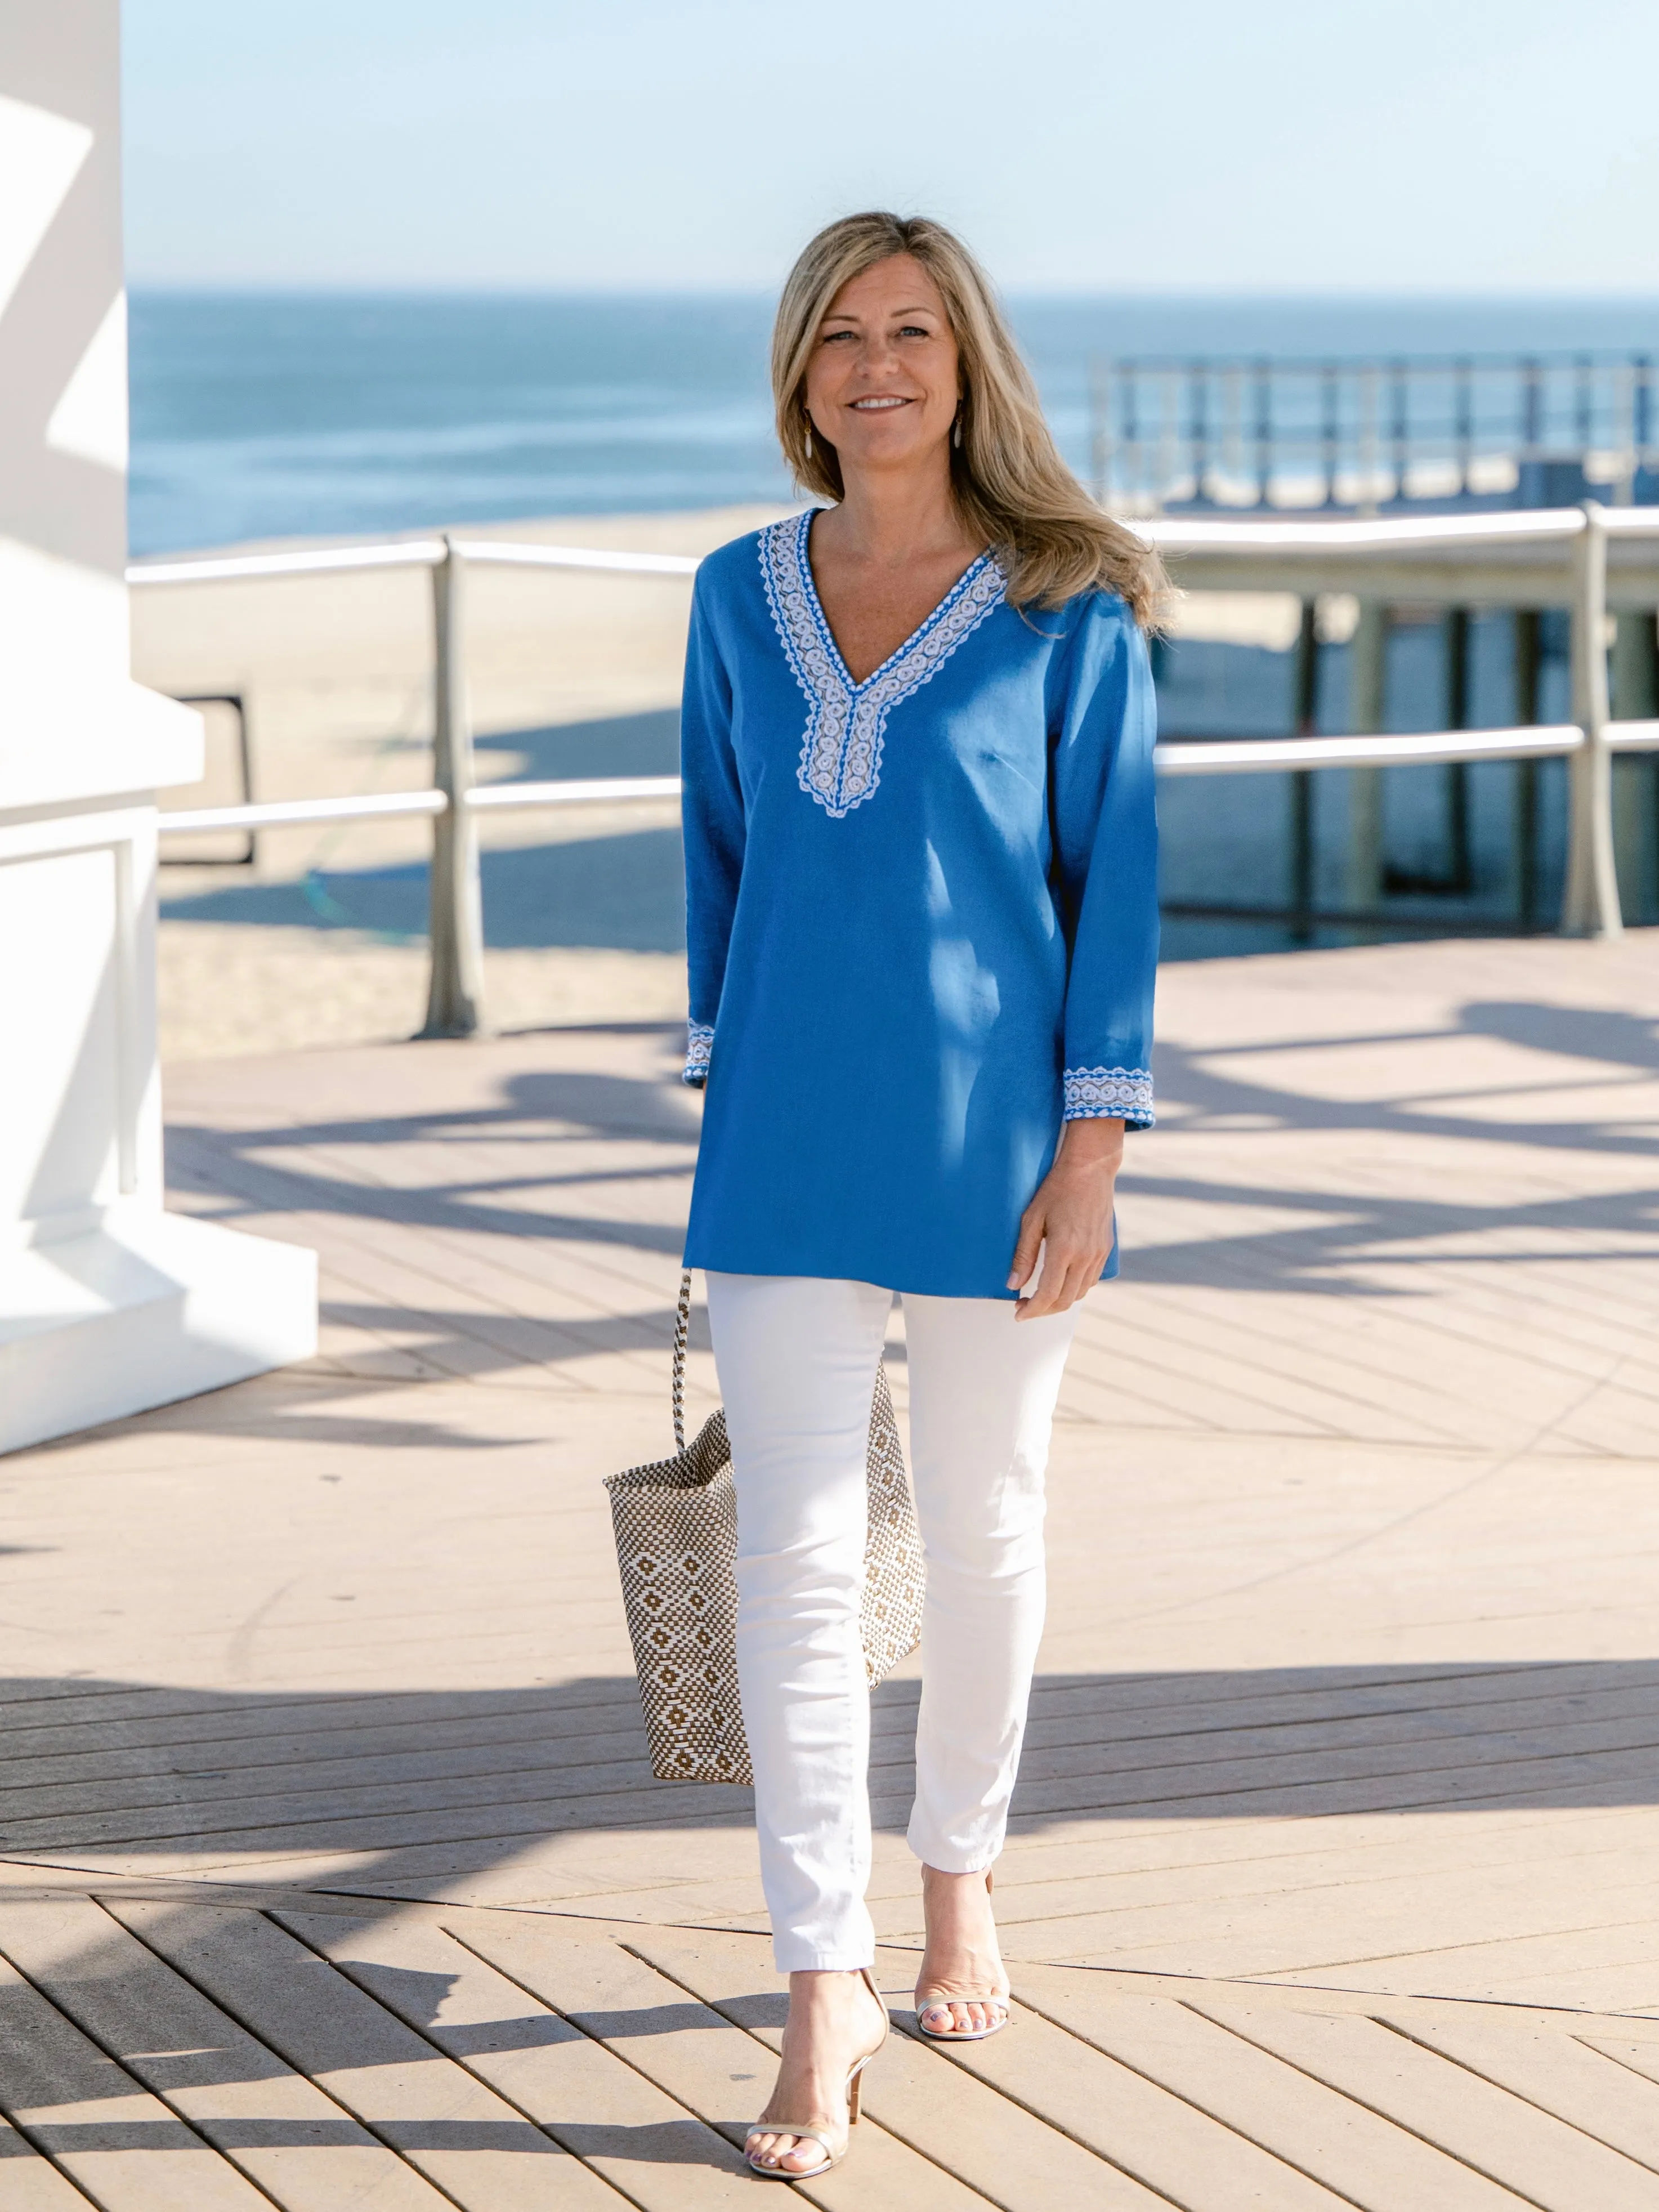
x=1428, y=147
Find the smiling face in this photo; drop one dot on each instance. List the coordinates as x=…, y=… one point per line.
x=883, y=380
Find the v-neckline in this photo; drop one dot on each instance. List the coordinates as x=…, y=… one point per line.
x=810, y=584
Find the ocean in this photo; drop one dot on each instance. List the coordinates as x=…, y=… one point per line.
x=276, y=414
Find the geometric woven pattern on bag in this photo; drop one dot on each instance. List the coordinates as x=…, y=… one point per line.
x=676, y=1527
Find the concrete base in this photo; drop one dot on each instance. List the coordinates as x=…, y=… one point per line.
x=148, y=1307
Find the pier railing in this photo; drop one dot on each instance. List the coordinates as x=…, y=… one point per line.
x=1596, y=562
x=1273, y=432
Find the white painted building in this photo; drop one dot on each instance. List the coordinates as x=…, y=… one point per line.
x=107, y=1303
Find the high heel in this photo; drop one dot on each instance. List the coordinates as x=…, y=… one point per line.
x=937, y=2001
x=805, y=2131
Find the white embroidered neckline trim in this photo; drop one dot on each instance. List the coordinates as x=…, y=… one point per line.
x=846, y=723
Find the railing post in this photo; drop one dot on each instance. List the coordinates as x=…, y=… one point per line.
x=1370, y=381
x=1589, y=904
x=454, y=1007
x=1101, y=369
x=1264, y=432
x=1463, y=429
x=1330, y=429
x=1400, y=426
x=1198, y=426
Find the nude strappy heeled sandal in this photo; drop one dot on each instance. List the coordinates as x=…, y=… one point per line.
x=807, y=2131
x=939, y=2002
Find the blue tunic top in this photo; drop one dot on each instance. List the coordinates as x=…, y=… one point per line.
x=922, y=918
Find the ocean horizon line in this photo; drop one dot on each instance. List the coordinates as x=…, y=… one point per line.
x=1461, y=296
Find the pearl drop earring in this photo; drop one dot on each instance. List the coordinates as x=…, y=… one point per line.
x=809, y=437
x=956, y=431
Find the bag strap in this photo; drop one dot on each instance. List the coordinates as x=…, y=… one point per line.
x=682, y=1329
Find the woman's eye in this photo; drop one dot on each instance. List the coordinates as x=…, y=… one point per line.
x=915, y=331
x=833, y=338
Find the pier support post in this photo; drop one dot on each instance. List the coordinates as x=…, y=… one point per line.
x=1304, y=717
x=1523, y=817
x=1460, y=857
x=1589, y=904
x=454, y=1005
x=1367, y=711
x=1636, y=775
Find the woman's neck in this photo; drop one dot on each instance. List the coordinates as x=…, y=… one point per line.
x=891, y=519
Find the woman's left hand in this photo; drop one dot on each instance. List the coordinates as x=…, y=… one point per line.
x=1069, y=1221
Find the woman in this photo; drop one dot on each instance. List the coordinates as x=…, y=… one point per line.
x=922, y=924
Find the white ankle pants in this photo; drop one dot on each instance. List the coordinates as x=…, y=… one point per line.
x=796, y=1359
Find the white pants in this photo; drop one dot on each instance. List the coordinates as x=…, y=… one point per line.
x=797, y=1358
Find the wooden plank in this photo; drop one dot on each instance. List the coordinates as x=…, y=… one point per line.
x=114, y=2140
x=382, y=1814
x=280, y=2130
x=658, y=2155
x=1359, y=2156
x=30, y=2183
x=342, y=1781
x=1540, y=2056
x=1543, y=2160
x=1611, y=1968
x=707, y=2065
x=991, y=2131
x=1346, y=1923
x=468, y=2141
x=232, y=1734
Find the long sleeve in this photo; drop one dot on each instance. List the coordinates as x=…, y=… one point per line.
x=1105, y=824
x=712, y=813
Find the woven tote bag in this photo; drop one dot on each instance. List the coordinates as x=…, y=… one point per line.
x=675, y=1522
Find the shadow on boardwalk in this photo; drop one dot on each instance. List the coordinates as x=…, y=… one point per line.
x=415, y=1784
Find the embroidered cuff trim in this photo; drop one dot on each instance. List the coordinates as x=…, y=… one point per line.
x=699, y=1042
x=1098, y=1094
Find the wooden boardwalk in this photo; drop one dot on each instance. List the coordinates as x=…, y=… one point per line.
x=330, y=1871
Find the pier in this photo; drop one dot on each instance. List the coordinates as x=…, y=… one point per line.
x=1421, y=433
x=329, y=1853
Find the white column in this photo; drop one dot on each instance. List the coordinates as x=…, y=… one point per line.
x=107, y=1303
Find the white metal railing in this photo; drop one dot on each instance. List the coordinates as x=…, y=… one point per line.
x=406, y=553
x=1558, y=557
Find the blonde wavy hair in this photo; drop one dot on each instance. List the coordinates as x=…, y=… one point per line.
x=1012, y=488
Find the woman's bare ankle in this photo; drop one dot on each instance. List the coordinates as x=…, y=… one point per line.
x=824, y=2036
x=962, y=1973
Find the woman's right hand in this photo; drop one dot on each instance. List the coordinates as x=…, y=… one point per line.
x=1069, y=1221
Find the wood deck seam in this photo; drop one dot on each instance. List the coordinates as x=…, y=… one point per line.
x=496, y=2089
x=1063, y=2028
x=1388, y=2119
x=139, y=2089
x=377, y=2129
x=1396, y=2026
